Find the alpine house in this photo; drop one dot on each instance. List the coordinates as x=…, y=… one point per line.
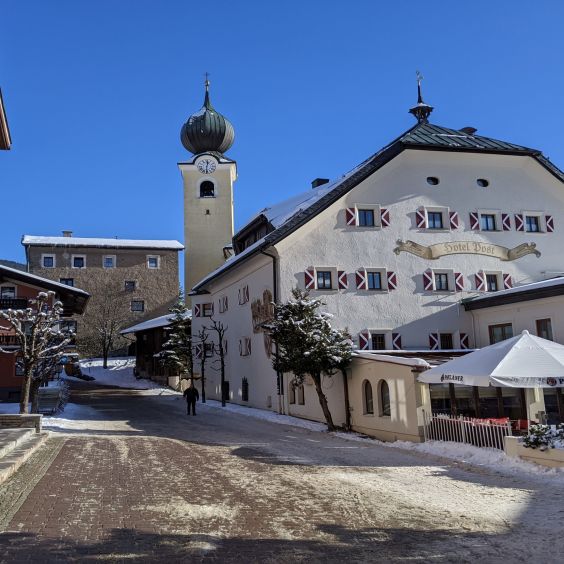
x=437, y=216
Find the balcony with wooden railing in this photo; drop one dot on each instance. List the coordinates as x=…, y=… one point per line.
x=13, y=303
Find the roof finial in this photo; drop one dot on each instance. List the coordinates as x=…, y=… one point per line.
x=421, y=111
x=207, y=81
x=207, y=103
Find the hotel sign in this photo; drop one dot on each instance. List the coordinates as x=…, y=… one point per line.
x=433, y=252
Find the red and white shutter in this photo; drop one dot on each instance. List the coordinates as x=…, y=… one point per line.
x=507, y=281
x=364, y=340
x=421, y=218
x=519, y=222
x=197, y=310
x=459, y=281
x=361, y=280
x=474, y=221
x=434, y=341
x=309, y=276
x=350, y=216
x=506, y=221
x=480, y=282
x=428, y=281
x=549, y=224
x=464, y=341
x=385, y=217
x=396, y=341
x=454, y=223
x=198, y=351
x=343, y=280
x=392, y=280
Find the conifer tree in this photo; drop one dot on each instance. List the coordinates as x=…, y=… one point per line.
x=307, y=344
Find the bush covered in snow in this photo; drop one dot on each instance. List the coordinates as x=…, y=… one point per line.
x=545, y=436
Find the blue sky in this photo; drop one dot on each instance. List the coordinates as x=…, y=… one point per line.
x=96, y=93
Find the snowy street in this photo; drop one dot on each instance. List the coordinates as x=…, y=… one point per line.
x=131, y=478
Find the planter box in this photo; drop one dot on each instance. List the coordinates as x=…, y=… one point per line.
x=19, y=421
x=552, y=457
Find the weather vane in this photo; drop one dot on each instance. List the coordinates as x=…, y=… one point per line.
x=419, y=77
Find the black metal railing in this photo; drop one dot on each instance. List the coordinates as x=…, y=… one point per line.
x=13, y=303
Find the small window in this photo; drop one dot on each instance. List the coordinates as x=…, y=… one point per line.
x=487, y=222
x=130, y=285
x=109, y=261
x=385, y=410
x=208, y=349
x=301, y=394
x=207, y=189
x=500, y=332
x=492, y=283
x=366, y=218
x=67, y=326
x=432, y=180
x=207, y=310
x=441, y=282
x=368, y=398
x=67, y=281
x=434, y=220
x=291, y=393
x=532, y=223
x=78, y=261
x=482, y=182
x=446, y=341
x=374, y=280
x=137, y=305
x=378, y=341
x=48, y=261
x=324, y=280
x=544, y=329
x=153, y=262
x=8, y=292
x=244, y=389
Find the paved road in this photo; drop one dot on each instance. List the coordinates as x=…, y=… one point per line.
x=141, y=482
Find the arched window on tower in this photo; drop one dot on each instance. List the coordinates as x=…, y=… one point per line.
x=207, y=189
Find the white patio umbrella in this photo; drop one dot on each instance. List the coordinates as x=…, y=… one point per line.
x=524, y=361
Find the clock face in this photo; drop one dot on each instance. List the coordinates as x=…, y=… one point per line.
x=207, y=166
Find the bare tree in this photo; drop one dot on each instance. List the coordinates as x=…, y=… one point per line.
x=201, y=353
x=40, y=341
x=220, y=329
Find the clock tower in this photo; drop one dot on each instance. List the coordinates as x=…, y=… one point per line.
x=208, y=177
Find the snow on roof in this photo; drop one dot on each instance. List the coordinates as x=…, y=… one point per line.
x=523, y=288
x=418, y=362
x=18, y=274
x=161, y=321
x=38, y=240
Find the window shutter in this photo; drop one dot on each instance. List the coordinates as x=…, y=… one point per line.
x=309, y=278
x=506, y=221
x=480, y=282
x=428, y=281
x=198, y=351
x=350, y=216
x=519, y=222
x=197, y=310
x=225, y=346
x=474, y=221
x=507, y=282
x=248, y=346
x=434, y=341
x=246, y=291
x=212, y=304
x=361, y=280
x=343, y=280
x=385, y=217
x=421, y=218
x=464, y=341
x=396, y=341
x=454, y=220
x=392, y=280
x=225, y=303
x=364, y=340
x=459, y=281
x=549, y=224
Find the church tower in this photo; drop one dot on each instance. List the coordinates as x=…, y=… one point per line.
x=208, y=178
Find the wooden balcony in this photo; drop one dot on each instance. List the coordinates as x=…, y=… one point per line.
x=8, y=341
x=13, y=303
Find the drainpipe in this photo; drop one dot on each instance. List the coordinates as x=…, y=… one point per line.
x=347, y=403
x=279, y=375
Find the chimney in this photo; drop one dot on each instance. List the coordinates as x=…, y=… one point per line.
x=469, y=130
x=67, y=233
x=319, y=182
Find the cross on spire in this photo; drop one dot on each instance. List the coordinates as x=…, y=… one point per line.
x=421, y=111
x=207, y=81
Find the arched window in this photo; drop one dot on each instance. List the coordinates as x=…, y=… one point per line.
x=301, y=395
x=368, y=399
x=384, y=399
x=207, y=189
x=291, y=393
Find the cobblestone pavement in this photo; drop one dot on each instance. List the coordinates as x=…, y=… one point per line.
x=147, y=484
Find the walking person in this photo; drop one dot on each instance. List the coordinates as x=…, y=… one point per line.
x=191, y=394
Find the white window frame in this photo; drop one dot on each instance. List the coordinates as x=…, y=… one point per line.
x=498, y=274
x=114, y=261
x=334, y=277
x=498, y=220
x=387, y=338
x=542, y=220
x=376, y=208
x=9, y=285
x=383, y=279
x=451, y=280
x=51, y=255
x=158, y=257
x=137, y=310
x=444, y=211
x=78, y=256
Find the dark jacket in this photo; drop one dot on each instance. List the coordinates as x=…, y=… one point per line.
x=191, y=394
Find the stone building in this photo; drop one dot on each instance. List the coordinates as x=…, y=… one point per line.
x=132, y=279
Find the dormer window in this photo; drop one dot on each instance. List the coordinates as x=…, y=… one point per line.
x=207, y=189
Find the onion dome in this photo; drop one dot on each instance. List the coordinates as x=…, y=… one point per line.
x=207, y=130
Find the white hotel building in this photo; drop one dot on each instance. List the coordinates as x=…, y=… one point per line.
x=393, y=247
